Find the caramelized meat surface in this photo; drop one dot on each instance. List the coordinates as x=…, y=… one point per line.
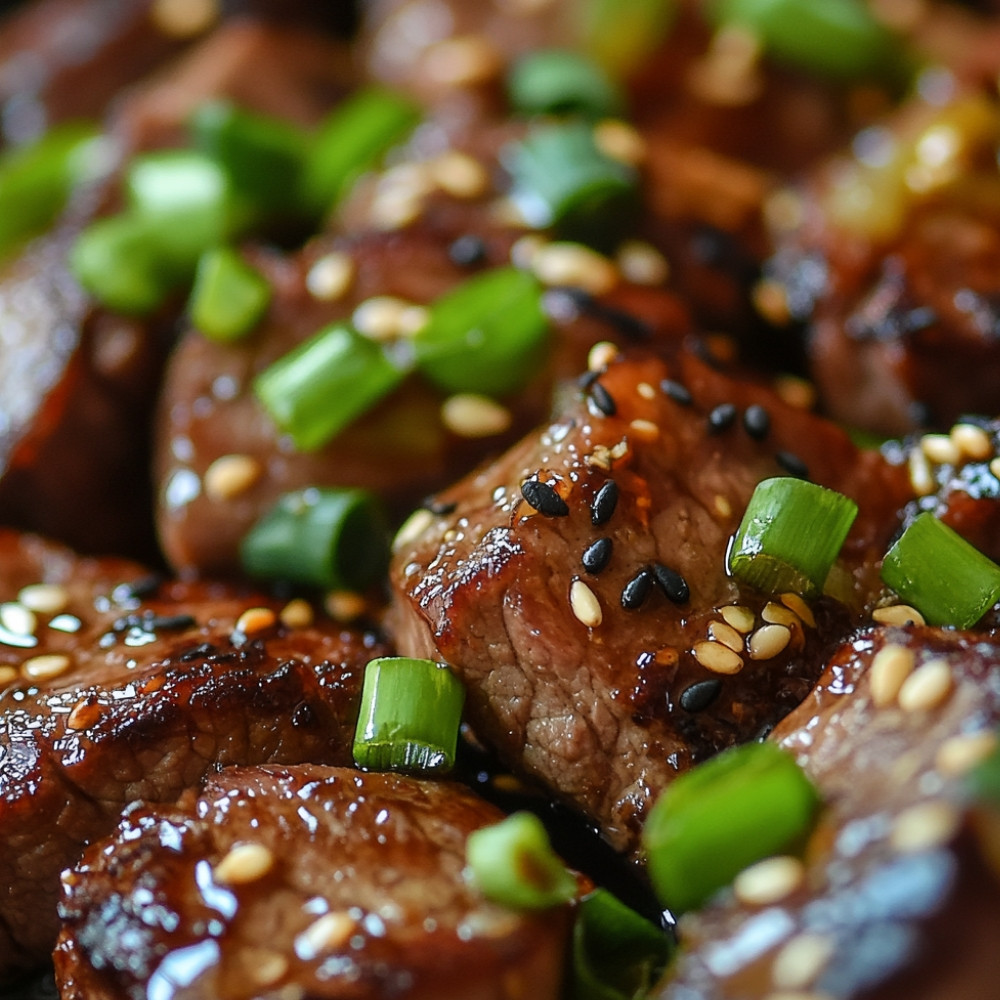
x=897, y=898
x=117, y=692
x=579, y=584
x=312, y=881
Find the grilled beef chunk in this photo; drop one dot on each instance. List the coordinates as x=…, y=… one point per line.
x=894, y=267
x=898, y=898
x=576, y=584
x=118, y=692
x=306, y=881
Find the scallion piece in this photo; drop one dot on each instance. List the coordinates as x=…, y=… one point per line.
x=328, y=537
x=410, y=714
x=790, y=536
x=561, y=82
x=744, y=805
x=487, y=336
x=315, y=391
x=835, y=38
x=617, y=954
x=352, y=140
x=562, y=180
x=36, y=179
x=936, y=570
x=512, y=863
x=229, y=296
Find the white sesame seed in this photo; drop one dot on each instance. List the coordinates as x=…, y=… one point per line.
x=459, y=174
x=8, y=674
x=46, y=667
x=939, y=448
x=463, y=60
x=576, y=265
x=524, y=250
x=184, y=18
x=230, y=475
x=297, y=613
x=796, y=603
x=255, y=620
x=924, y=826
x=768, y=641
x=890, y=667
x=45, y=598
x=722, y=506
x=412, y=528
x=395, y=208
x=769, y=881
x=243, y=864
x=267, y=967
x=645, y=390
x=995, y=467
x=470, y=415
x=741, y=618
x=86, y=712
x=620, y=141
x=718, y=658
x=381, y=317
x=770, y=299
x=959, y=754
x=779, y=614
x=972, y=442
x=330, y=276
x=727, y=635
x=927, y=687
x=898, y=614
x=801, y=960
x=921, y=473
x=585, y=604
x=645, y=430
x=17, y=618
x=345, y=606
x=641, y=263
x=329, y=932
x=602, y=354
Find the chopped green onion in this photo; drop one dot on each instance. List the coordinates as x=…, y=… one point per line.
x=229, y=296
x=410, y=714
x=617, y=955
x=352, y=140
x=790, y=536
x=559, y=82
x=836, y=38
x=35, y=180
x=315, y=391
x=620, y=36
x=512, y=863
x=946, y=579
x=744, y=805
x=562, y=180
x=329, y=537
x=263, y=156
x=486, y=336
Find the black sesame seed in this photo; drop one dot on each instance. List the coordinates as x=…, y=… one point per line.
x=150, y=622
x=605, y=502
x=587, y=379
x=792, y=464
x=756, y=422
x=671, y=583
x=597, y=555
x=602, y=399
x=635, y=592
x=206, y=649
x=467, y=251
x=680, y=394
x=136, y=589
x=623, y=322
x=440, y=508
x=721, y=418
x=699, y=696
x=544, y=498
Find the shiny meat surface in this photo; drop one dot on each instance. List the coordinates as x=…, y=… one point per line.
x=123, y=690
x=308, y=882
x=602, y=681
x=898, y=898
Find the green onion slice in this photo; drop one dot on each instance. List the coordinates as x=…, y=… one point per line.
x=331, y=537
x=835, y=38
x=744, y=805
x=36, y=179
x=946, y=579
x=352, y=140
x=617, y=954
x=561, y=82
x=315, y=391
x=512, y=863
x=562, y=180
x=410, y=714
x=229, y=296
x=486, y=336
x=790, y=536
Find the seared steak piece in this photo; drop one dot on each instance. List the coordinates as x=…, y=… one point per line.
x=113, y=692
x=305, y=881
x=897, y=898
x=579, y=585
